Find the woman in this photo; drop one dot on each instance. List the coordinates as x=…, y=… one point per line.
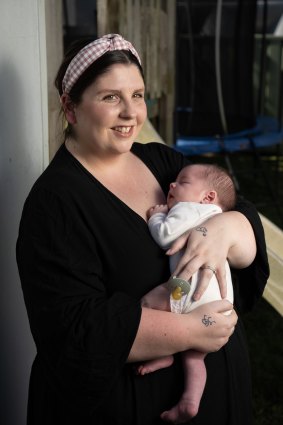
x=86, y=257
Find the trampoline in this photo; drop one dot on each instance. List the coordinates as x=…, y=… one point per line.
x=220, y=93
x=266, y=132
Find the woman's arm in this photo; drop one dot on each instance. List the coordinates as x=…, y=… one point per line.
x=228, y=235
x=161, y=333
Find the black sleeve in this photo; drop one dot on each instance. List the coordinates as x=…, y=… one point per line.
x=249, y=283
x=82, y=335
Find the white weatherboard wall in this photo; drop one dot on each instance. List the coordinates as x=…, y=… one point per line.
x=23, y=156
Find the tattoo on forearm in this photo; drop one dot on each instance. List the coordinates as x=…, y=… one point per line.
x=207, y=320
x=202, y=229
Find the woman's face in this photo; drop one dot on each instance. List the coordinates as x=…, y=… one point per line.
x=111, y=112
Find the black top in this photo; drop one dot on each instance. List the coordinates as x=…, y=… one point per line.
x=85, y=260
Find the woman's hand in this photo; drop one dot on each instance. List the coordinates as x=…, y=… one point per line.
x=162, y=333
x=210, y=328
x=225, y=236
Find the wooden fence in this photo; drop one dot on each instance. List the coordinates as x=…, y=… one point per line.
x=150, y=26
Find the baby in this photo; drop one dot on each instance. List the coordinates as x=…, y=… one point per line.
x=200, y=191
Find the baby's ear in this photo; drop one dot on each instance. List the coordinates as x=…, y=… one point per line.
x=210, y=197
x=68, y=108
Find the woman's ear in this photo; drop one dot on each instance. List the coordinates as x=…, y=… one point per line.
x=68, y=108
x=209, y=197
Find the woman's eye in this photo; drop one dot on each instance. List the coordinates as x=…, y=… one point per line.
x=110, y=98
x=139, y=95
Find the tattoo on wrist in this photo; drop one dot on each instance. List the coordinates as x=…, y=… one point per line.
x=207, y=320
x=202, y=229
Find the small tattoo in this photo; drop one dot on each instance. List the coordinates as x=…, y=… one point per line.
x=206, y=320
x=202, y=229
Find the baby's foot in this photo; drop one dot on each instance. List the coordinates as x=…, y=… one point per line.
x=182, y=412
x=153, y=365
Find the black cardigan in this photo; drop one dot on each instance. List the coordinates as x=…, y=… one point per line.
x=85, y=259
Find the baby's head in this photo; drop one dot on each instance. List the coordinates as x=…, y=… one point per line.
x=205, y=184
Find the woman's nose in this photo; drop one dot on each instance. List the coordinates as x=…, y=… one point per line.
x=128, y=110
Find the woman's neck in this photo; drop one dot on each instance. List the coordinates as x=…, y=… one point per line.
x=123, y=174
x=100, y=163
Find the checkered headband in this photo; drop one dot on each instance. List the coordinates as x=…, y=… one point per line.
x=90, y=53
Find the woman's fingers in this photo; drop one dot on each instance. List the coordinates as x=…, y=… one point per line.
x=221, y=306
x=213, y=328
x=185, y=270
x=204, y=254
x=178, y=244
x=205, y=275
x=187, y=266
x=221, y=278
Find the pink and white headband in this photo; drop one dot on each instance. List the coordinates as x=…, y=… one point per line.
x=90, y=53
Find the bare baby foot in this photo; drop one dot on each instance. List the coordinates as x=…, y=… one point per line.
x=182, y=412
x=153, y=365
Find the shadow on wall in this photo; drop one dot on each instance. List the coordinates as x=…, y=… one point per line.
x=17, y=173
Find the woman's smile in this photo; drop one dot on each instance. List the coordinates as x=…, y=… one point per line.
x=124, y=131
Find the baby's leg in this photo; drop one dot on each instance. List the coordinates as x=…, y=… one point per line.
x=194, y=382
x=153, y=365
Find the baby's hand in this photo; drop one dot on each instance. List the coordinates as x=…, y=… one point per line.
x=157, y=209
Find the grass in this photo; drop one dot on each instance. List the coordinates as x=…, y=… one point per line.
x=264, y=325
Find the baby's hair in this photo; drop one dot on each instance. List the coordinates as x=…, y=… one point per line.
x=219, y=180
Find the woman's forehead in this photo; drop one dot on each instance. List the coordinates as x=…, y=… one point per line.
x=120, y=75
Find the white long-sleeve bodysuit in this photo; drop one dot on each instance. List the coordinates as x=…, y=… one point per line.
x=166, y=228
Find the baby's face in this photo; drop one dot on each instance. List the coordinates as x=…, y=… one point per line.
x=188, y=187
